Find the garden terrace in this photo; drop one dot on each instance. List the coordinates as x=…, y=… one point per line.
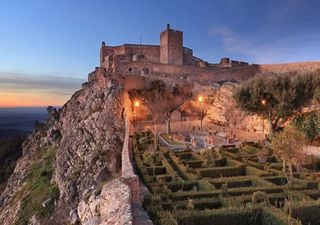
x=233, y=188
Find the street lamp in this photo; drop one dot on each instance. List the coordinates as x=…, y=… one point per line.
x=263, y=102
x=200, y=100
x=136, y=103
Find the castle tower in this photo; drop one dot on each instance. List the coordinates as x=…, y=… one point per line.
x=171, y=47
x=102, y=53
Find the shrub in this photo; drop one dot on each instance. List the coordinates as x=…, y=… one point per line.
x=277, y=180
x=199, y=203
x=38, y=189
x=182, y=170
x=165, y=218
x=254, y=171
x=233, y=202
x=307, y=212
x=182, y=186
x=156, y=170
x=179, y=196
x=224, y=190
x=260, y=198
x=152, y=158
x=190, y=205
x=232, y=216
x=274, y=216
x=209, y=157
x=193, y=163
x=228, y=171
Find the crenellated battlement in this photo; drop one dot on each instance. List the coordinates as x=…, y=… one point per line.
x=143, y=59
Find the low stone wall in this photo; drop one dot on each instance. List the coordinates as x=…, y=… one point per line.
x=127, y=173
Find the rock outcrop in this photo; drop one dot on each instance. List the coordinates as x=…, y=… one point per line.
x=86, y=137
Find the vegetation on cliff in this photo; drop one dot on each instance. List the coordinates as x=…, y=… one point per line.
x=38, y=196
x=10, y=151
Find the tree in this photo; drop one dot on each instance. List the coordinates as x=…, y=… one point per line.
x=162, y=99
x=203, y=113
x=198, y=107
x=288, y=146
x=309, y=123
x=232, y=115
x=155, y=128
x=275, y=97
x=316, y=95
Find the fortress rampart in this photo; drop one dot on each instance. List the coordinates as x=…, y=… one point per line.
x=170, y=57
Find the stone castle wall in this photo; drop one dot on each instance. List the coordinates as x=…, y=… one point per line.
x=289, y=67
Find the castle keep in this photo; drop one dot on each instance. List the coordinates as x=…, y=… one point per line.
x=168, y=58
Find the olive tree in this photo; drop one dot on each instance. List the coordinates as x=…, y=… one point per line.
x=276, y=97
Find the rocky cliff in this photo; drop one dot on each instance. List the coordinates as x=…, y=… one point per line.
x=68, y=159
x=70, y=169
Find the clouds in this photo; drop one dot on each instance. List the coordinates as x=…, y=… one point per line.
x=264, y=48
x=231, y=41
x=44, y=82
x=17, y=89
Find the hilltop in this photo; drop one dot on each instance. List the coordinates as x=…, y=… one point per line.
x=75, y=167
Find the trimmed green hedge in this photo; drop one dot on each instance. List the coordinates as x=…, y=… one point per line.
x=228, y=171
x=236, y=183
x=200, y=204
x=274, y=216
x=165, y=218
x=156, y=170
x=250, y=170
x=179, y=196
x=182, y=169
x=182, y=186
x=307, y=212
x=195, y=164
x=277, y=180
x=232, y=216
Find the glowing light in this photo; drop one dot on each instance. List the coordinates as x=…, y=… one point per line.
x=263, y=101
x=200, y=98
x=136, y=103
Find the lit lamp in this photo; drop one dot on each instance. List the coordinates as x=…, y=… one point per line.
x=136, y=103
x=263, y=102
x=200, y=98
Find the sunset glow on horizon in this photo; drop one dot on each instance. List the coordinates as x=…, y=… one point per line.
x=10, y=100
x=27, y=90
x=47, y=52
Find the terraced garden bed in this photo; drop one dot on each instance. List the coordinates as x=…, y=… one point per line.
x=231, y=188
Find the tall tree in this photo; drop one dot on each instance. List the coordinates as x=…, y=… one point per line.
x=288, y=146
x=276, y=98
x=162, y=99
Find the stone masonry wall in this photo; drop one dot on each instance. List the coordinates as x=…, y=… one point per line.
x=289, y=67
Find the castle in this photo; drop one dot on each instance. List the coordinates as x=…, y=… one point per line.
x=170, y=57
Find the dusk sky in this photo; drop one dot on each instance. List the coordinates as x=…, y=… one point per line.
x=47, y=47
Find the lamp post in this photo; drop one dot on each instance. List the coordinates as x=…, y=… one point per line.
x=200, y=100
x=264, y=103
x=136, y=104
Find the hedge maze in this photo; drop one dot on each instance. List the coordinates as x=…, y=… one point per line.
x=231, y=186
